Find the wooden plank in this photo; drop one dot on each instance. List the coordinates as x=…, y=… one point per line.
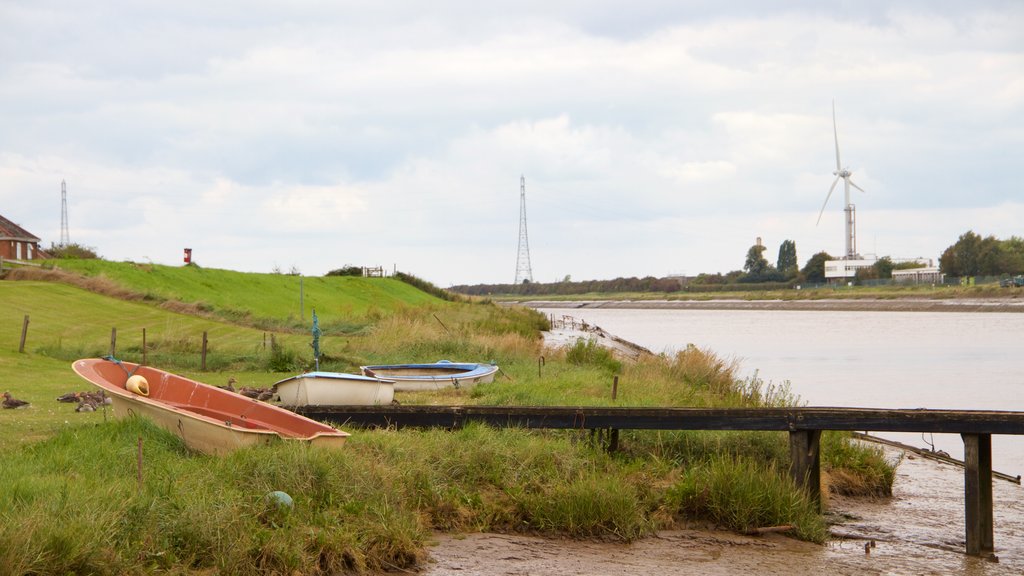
x=978, y=494
x=581, y=417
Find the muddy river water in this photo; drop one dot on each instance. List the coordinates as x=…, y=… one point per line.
x=834, y=358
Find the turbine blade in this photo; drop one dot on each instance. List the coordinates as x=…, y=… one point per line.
x=835, y=132
x=855, y=186
x=834, y=182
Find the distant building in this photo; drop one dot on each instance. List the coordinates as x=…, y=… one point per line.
x=836, y=270
x=926, y=275
x=16, y=243
x=839, y=270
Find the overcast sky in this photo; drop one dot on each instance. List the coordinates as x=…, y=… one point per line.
x=656, y=138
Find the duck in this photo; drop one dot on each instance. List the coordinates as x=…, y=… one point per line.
x=86, y=405
x=12, y=402
x=230, y=386
x=253, y=393
x=70, y=397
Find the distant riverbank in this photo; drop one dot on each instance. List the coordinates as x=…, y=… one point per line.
x=832, y=304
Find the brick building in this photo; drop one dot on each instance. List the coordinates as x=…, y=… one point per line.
x=16, y=243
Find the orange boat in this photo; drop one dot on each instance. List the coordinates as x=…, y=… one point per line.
x=207, y=418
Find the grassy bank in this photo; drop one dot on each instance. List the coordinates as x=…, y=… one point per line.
x=70, y=501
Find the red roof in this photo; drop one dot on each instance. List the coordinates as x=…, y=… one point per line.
x=10, y=230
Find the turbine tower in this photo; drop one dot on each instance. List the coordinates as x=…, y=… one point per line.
x=523, y=271
x=848, y=208
x=64, y=239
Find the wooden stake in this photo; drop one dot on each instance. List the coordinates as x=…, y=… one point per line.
x=143, y=345
x=615, y=388
x=204, y=351
x=113, y=341
x=24, y=334
x=138, y=462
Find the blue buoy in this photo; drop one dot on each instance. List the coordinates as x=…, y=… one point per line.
x=280, y=499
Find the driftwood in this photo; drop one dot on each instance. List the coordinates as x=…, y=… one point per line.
x=768, y=529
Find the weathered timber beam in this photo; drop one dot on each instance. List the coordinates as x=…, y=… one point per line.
x=581, y=417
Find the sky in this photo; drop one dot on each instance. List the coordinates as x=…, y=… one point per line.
x=656, y=138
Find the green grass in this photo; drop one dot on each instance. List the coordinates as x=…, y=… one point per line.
x=345, y=301
x=70, y=502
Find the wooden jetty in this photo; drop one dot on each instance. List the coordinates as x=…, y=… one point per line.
x=804, y=426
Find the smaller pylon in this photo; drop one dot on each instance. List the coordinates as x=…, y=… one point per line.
x=524, y=272
x=64, y=237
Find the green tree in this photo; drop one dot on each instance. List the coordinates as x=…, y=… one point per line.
x=787, y=263
x=972, y=255
x=883, y=267
x=756, y=264
x=814, y=270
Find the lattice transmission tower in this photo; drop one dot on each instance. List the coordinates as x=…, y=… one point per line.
x=523, y=270
x=64, y=239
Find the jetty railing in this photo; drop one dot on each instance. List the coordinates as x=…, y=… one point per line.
x=804, y=426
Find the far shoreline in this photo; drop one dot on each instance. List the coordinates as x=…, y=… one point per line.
x=818, y=305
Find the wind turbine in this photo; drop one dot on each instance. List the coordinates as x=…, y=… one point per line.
x=849, y=209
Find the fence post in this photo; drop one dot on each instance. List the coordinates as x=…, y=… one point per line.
x=978, y=494
x=113, y=341
x=615, y=387
x=805, y=462
x=24, y=334
x=204, y=351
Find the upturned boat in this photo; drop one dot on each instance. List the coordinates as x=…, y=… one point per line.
x=441, y=374
x=209, y=419
x=333, y=389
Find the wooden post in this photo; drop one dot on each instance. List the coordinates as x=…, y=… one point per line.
x=24, y=335
x=540, y=363
x=978, y=493
x=138, y=462
x=613, y=439
x=805, y=465
x=204, y=351
x=143, y=345
x=113, y=341
x=615, y=387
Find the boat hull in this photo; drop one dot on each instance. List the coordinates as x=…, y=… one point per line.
x=333, y=389
x=419, y=377
x=208, y=419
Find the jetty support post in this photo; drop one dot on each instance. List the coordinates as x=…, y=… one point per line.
x=805, y=462
x=978, y=494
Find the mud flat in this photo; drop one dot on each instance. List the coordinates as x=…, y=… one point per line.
x=833, y=304
x=919, y=530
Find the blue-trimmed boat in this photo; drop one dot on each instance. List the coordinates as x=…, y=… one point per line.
x=442, y=374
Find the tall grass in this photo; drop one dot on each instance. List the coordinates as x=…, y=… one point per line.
x=743, y=494
x=72, y=504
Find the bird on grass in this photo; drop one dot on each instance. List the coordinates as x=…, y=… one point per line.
x=70, y=397
x=231, y=385
x=86, y=405
x=12, y=402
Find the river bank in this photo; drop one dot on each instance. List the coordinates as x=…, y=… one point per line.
x=829, y=304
